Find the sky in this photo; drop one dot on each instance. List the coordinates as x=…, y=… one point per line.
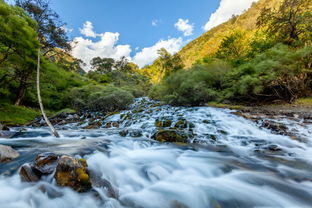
x=136, y=29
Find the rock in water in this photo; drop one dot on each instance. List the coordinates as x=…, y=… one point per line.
x=72, y=172
x=4, y=128
x=170, y=136
x=27, y=174
x=45, y=163
x=7, y=153
x=7, y=134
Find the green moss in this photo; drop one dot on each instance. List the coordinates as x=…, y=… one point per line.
x=17, y=115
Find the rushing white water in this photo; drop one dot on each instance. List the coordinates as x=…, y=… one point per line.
x=229, y=163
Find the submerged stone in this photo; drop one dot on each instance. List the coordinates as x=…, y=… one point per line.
x=7, y=134
x=136, y=133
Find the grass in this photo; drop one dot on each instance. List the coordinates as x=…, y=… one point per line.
x=221, y=105
x=16, y=115
x=304, y=101
x=65, y=110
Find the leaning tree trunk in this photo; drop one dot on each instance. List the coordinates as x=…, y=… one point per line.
x=54, y=132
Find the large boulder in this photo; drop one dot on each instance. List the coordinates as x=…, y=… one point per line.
x=72, y=173
x=7, y=153
x=170, y=136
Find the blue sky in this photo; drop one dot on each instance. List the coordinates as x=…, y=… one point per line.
x=138, y=28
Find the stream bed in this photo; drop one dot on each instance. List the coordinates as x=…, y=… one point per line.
x=228, y=161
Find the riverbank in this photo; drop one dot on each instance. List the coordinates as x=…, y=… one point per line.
x=302, y=108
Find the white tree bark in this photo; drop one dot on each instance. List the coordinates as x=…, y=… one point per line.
x=54, y=132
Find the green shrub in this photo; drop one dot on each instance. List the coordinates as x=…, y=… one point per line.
x=56, y=84
x=100, y=98
x=193, y=87
x=280, y=73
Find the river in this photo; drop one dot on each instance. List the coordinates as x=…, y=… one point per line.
x=229, y=162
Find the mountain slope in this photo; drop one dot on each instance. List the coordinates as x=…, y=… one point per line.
x=209, y=42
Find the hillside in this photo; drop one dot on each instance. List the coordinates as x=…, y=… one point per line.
x=209, y=42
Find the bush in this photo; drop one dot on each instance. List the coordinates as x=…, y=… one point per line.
x=280, y=73
x=55, y=84
x=193, y=87
x=100, y=98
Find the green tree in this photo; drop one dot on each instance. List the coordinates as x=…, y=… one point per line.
x=234, y=48
x=102, y=65
x=18, y=47
x=168, y=63
x=290, y=23
x=50, y=28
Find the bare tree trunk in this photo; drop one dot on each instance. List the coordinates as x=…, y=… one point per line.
x=54, y=132
x=20, y=94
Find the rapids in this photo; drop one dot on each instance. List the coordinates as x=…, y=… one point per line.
x=230, y=162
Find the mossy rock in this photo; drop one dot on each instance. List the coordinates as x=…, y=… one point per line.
x=112, y=124
x=94, y=125
x=170, y=136
x=124, y=133
x=163, y=123
x=71, y=172
x=183, y=124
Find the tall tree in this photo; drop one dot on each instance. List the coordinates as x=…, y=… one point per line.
x=290, y=23
x=51, y=30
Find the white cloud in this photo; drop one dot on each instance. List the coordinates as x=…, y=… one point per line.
x=155, y=22
x=86, y=49
x=66, y=29
x=149, y=54
x=184, y=26
x=225, y=11
x=87, y=30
